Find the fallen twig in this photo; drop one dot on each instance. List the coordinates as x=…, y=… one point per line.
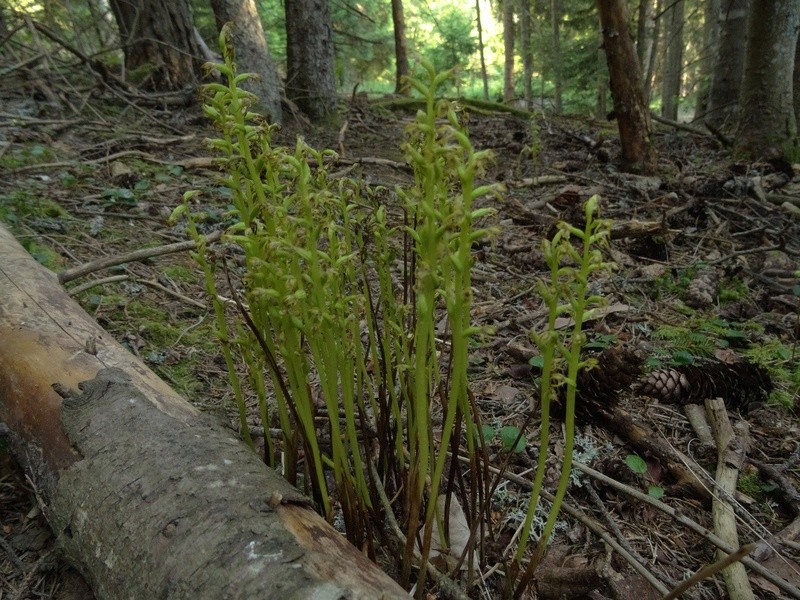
x=590, y=524
x=138, y=255
x=731, y=451
x=680, y=518
x=711, y=570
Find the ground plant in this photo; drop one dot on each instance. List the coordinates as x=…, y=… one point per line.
x=340, y=310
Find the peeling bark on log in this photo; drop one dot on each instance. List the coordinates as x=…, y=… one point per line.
x=150, y=498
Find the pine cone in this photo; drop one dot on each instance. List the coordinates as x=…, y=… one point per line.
x=737, y=384
x=702, y=289
x=616, y=369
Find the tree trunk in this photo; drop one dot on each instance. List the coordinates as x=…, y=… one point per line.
x=630, y=107
x=146, y=495
x=555, y=15
x=673, y=61
x=310, y=79
x=400, y=51
x=767, y=125
x=797, y=83
x=726, y=79
x=508, y=46
x=158, y=37
x=252, y=53
x=601, y=112
x=709, y=51
x=644, y=31
x=526, y=51
x=651, y=59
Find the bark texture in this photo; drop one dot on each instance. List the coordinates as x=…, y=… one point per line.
x=508, y=46
x=673, y=61
x=710, y=45
x=526, y=51
x=555, y=15
x=484, y=76
x=158, y=37
x=400, y=50
x=726, y=80
x=767, y=125
x=797, y=83
x=630, y=105
x=252, y=52
x=150, y=498
x=310, y=81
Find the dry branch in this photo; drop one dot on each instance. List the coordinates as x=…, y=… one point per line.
x=137, y=255
x=731, y=451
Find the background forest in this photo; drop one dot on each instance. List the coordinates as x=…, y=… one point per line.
x=508, y=289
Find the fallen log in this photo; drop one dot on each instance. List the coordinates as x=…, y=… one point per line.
x=148, y=497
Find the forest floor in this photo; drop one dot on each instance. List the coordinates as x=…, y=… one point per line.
x=708, y=253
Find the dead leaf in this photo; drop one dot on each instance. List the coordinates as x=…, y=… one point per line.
x=459, y=535
x=764, y=585
x=506, y=393
x=593, y=315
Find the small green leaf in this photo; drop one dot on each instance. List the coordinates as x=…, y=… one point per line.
x=536, y=362
x=655, y=491
x=488, y=433
x=509, y=435
x=636, y=463
x=601, y=342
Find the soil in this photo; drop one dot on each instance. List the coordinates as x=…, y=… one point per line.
x=707, y=256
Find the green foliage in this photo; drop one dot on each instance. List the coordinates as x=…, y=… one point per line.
x=364, y=40
x=322, y=304
x=639, y=466
x=783, y=367
x=21, y=205
x=676, y=282
x=636, y=464
x=700, y=337
x=732, y=290
x=752, y=485
x=26, y=154
x=601, y=341
x=565, y=294
x=510, y=436
x=453, y=41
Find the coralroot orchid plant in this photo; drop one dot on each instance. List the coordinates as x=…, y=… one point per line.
x=334, y=335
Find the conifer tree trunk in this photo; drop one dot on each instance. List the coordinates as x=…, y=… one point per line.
x=526, y=51
x=767, y=125
x=726, y=79
x=310, y=79
x=644, y=30
x=797, y=83
x=649, y=68
x=601, y=111
x=252, y=52
x=159, y=37
x=630, y=106
x=508, y=46
x=400, y=50
x=555, y=15
x=708, y=54
x=673, y=61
